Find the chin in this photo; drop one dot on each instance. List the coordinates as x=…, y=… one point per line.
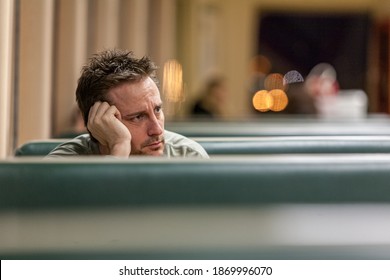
x=160, y=152
x=155, y=153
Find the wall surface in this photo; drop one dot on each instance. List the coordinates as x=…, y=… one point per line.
x=236, y=41
x=206, y=36
x=6, y=77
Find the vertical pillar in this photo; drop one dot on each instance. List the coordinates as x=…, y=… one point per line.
x=71, y=54
x=134, y=26
x=238, y=46
x=162, y=40
x=106, y=24
x=6, y=39
x=36, y=71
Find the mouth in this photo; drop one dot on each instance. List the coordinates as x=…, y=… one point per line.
x=155, y=145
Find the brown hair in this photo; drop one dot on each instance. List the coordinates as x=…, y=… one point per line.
x=106, y=70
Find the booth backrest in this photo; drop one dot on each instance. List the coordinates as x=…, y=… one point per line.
x=38, y=147
x=264, y=207
x=295, y=145
x=226, y=180
x=257, y=145
x=282, y=127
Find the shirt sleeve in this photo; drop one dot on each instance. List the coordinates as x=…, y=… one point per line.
x=78, y=146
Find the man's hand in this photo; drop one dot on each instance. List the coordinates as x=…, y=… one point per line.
x=104, y=123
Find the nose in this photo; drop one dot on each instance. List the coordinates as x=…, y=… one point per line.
x=155, y=126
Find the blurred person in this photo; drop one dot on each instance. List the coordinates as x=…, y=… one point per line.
x=122, y=109
x=210, y=103
x=322, y=85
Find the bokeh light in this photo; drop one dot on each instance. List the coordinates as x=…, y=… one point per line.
x=274, y=81
x=260, y=64
x=280, y=100
x=274, y=97
x=173, y=88
x=262, y=101
x=292, y=77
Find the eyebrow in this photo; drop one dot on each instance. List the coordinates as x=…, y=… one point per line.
x=141, y=112
x=134, y=114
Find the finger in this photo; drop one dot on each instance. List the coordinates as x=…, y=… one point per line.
x=101, y=110
x=93, y=110
x=114, y=111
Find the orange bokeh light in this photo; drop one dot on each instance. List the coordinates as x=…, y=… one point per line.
x=274, y=81
x=262, y=101
x=280, y=100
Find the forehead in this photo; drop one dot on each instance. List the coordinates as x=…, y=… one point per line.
x=134, y=94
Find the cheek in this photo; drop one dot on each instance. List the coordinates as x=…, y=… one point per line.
x=137, y=136
x=162, y=124
x=135, y=132
x=162, y=120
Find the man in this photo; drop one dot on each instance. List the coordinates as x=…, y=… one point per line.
x=122, y=110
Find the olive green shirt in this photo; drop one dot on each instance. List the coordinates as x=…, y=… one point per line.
x=176, y=145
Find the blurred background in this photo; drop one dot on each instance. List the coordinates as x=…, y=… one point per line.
x=44, y=43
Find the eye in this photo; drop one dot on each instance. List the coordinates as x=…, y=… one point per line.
x=137, y=118
x=158, y=109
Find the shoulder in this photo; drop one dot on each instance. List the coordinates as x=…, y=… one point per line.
x=80, y=145
x=177, y=145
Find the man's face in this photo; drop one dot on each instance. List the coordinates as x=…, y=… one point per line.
x=140, y=106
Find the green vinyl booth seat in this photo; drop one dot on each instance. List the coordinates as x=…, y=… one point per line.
x=263, y=207
x=256, y=145
x=38, y=147
x=282, y=127
x=81, y=182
